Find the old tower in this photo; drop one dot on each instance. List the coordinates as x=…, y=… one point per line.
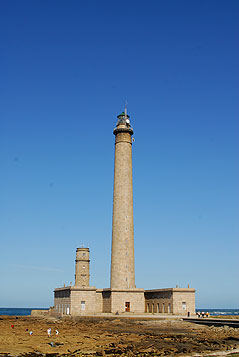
x=82, y=269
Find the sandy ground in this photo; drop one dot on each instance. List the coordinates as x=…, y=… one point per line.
x=102, y=337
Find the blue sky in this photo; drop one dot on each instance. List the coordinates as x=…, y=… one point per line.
x=67, y=68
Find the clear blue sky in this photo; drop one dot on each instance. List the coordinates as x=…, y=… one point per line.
x=66, y=69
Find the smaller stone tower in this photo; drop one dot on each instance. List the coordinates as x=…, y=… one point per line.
x=82, y=272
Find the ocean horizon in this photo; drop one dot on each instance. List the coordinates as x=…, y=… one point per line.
x=19, y=311
x=26, y=311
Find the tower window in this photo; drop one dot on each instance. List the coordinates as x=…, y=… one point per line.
x=82, y=305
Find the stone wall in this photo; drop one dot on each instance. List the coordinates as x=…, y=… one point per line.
x=99, y=301
x=159, y=302
x=106, y=297
x=39, y=312
x=83, y=301
x=177, y=301
x=184, y=302
x=135, y=298
x=62, y=305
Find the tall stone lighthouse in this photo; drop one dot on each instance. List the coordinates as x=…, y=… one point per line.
x=122, y=254
x=124, y=295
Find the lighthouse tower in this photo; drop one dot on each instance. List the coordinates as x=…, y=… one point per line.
x=122, y=254
x=124, y=296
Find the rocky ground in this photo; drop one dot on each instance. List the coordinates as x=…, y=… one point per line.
x=112, y=337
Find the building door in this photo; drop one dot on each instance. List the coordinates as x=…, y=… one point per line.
x=127, y=306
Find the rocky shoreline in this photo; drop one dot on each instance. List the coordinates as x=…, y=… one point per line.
x=117, y=337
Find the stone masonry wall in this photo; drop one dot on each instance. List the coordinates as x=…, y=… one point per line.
x=99, y=301
x=178, y=301
x=187, y=297
x=106, y=296
x=62, y=305
x=136, y=300
x=159, y=302
x=83, y=302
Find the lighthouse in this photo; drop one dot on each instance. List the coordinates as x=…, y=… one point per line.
x=122, y=253
x=124, y=294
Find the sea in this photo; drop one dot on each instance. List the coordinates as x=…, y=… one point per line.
x=27, y=311
x=19, y=311
x=219, y=312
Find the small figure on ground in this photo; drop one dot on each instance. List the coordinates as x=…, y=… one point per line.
x=57, y=332
x=49, y=332
x=30, y=333
x=12, y=326
x=26, y=329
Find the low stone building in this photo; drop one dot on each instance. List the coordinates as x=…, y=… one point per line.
x=83, y=299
